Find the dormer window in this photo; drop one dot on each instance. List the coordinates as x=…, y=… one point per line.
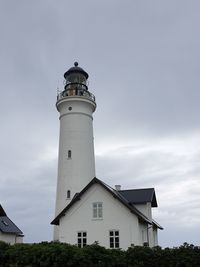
x=5, y=223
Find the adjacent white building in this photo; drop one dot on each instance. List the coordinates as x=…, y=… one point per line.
x=9, y=232
x=87, y=210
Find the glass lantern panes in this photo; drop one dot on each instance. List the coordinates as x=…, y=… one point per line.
x=76, y=78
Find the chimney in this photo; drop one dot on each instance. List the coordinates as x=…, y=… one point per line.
x=117, y=187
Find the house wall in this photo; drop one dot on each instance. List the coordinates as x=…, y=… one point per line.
x=143, y=233
x=155, y=236
x=115, y=217
x=11, y=238
x=145, y=209
x=152, y=238
x=19, y=239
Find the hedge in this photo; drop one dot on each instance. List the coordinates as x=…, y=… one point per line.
x=55, y=254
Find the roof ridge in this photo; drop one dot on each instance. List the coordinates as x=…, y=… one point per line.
x=137, y=189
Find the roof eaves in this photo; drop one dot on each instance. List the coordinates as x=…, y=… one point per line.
x=154, y=200
x=157, y=225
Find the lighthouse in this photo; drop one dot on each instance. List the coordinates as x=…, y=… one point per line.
x=76, y=161
x=87, y=209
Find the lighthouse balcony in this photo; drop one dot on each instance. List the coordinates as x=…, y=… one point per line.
x=75, y=92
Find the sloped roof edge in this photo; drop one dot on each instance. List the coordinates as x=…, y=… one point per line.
x=157, y=225
x=112, y=191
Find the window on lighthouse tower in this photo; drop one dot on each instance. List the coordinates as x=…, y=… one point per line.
x=68, y=194
x=69, y=154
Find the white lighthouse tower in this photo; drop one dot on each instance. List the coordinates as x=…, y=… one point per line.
x=76, y=162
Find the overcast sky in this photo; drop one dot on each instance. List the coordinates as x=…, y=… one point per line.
x=143, y=61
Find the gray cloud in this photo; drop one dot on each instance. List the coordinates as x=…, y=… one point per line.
x=170, y=166
x=143, y=62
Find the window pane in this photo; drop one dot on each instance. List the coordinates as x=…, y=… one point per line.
x=100, y=213
x=69, y=153
x=97, y=210
x=84, y=234
x=94, y=213
x=68, y=193
x=79, y=234
x=114, y=239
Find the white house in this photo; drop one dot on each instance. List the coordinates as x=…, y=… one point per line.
x=87, y=210
x=9, y=232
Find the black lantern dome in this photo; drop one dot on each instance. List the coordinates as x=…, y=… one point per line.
x=76, y=70
x=76, y=77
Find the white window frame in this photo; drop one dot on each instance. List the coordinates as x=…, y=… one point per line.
x=81, y=239
x=114, y=240
x=97, y=210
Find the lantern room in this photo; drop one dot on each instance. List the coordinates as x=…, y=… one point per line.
x=76, y=83
x=76, y=77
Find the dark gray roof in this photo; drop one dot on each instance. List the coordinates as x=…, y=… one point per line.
x=140, y=196
x=115, y=194
x=76, y=69
x=6, y=225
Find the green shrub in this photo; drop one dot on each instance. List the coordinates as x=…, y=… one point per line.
x=55, y=254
